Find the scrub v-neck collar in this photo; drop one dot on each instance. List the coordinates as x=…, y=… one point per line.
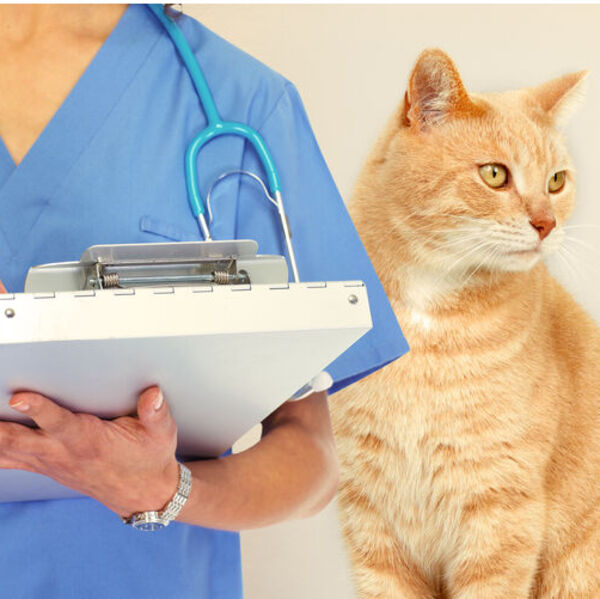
x=26, y=188
x=7, y=164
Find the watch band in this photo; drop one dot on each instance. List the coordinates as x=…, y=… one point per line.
x=153, y=520
x=181, y=495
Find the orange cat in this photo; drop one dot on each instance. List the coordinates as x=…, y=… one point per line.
x=471, y=466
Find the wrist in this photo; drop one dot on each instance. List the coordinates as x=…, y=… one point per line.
x=161, y=493
x=155, y=496
x=152, y=493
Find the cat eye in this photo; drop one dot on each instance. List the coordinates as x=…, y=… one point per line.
x=557, y=181
x=495, y=175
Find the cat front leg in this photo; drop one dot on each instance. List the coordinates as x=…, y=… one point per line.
x=570, y=568
x=500, y=542
x=381, y=567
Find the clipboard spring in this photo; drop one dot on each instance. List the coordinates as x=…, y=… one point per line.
x=149, y=275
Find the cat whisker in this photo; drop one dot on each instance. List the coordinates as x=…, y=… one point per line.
x=582, y=243
x=436, y=214
x=568, y=266
x=475, y=270
x=518, y=239
x=573, y=251
x=456, y=232
x=497, y=259
x=460, y=247
x=463, y=257
x=516, y=242
x=496, y=254
x=575, y=262
x=470, y=219
x=581, y=274
x=458, y=241
x=588, y=226
x=592, y=267
x=441, y=231
x=425, y=225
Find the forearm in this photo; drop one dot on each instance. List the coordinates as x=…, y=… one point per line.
x=129, y=463
x=290, y=473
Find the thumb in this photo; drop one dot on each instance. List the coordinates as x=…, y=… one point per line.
x=153, y=411
x=2, y=288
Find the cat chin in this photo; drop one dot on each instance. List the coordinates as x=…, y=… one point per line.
x=520, y=262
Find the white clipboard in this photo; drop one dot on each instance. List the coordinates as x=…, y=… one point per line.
x=225, y=357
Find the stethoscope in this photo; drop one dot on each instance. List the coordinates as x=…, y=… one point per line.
x=217, y=127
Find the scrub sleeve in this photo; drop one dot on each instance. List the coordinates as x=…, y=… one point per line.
x=326, y=243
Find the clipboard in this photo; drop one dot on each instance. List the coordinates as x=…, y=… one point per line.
x=225, y=356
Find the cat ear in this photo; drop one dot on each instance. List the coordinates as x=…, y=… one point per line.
x=435, y=91
x=560, y=97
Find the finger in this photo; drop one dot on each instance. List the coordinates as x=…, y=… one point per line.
x=2, y=287
x=154, y=412
x=48, y=415
x=19, y=439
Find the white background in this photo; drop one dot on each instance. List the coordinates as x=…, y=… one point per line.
x=351, y=64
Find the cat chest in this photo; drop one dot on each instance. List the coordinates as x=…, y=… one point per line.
x=455, y=427
x=433, y=408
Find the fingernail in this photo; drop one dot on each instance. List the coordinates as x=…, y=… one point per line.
x=20, y=405
x=158, y=402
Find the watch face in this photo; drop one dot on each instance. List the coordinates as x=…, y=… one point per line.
x=148, y=526
x=148, y=521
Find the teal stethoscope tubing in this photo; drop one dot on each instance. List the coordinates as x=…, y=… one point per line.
x=217, y=127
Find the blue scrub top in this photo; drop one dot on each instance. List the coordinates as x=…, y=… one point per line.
x=108, y=168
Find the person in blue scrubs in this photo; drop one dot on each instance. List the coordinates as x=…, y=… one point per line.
x=108, y=168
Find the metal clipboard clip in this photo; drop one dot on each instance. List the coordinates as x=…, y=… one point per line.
x=193, y=263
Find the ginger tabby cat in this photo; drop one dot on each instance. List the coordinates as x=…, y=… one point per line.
x=471, y=466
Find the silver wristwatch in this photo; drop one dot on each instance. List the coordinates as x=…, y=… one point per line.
x=149, y=521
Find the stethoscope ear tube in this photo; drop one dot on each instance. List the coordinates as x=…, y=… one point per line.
x=216, y=127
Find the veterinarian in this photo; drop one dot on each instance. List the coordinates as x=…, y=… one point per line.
x=96, y=111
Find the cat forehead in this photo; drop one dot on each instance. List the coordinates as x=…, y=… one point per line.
x=513, y=128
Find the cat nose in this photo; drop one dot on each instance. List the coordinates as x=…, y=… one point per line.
x=543, y=223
